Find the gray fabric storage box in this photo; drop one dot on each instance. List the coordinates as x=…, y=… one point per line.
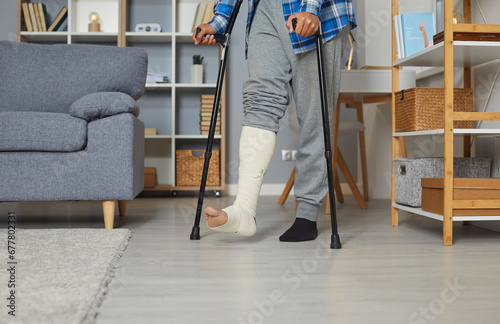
x=409, y=171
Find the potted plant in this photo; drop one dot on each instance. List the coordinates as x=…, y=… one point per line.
x=197, y=69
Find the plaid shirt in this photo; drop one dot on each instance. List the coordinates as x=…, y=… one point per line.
x=334, y=15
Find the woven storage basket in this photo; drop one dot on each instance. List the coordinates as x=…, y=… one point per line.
x=420, y=109
x=189, y=168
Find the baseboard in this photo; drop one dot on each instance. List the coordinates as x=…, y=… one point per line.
x=275, y=189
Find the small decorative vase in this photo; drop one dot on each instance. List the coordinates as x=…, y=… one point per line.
x=197, y=73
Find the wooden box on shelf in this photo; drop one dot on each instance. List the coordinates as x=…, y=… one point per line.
x=189, y=168
x=419, y=109
x=483, y=37
x=149, y=177
x=464, y=189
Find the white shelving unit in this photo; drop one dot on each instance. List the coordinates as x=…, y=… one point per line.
x=173, y=108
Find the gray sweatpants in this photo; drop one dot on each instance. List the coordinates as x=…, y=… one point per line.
x=275, y=71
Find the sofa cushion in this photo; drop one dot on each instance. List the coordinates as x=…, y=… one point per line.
x=41, y=131
x=42, y=77
x=103, y=104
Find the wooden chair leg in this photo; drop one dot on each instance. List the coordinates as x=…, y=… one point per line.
x=122, y=207
x=108, y=208
x=362, y=151
x=288, y=188
x=350, y=180
x=338, y=189
x=338, y=193
x=335, y=139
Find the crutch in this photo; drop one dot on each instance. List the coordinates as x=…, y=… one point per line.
x=222, y=39
x=335, y=238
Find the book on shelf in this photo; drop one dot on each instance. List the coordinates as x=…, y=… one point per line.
x=27, y=18
x=149, y=131
x=208, y=105
x=206, y=131
x=208, y=108
x=414, y=32
x=207, y=123
x=476, y=37
x=208, y=112
x=200, y=12
x=41, y=12
x=398, y=36
x=206, y=128
x=59, y=21
x=209, y=12
x=186, y=16
x=37, y=17
x=203, y=12
x=207, y=115
x=439, y=16
x=417, y=29
x=156, y=78
x=207, y=102
x=33, y=17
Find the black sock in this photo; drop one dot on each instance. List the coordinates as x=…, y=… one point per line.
x=301, y=230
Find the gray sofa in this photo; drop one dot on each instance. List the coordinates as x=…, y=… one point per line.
x=68, y=123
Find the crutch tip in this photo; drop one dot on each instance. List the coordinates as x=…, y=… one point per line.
x=195, y=234
x=335, y=243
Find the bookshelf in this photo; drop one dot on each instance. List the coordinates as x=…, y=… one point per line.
x=172, y=108
x=448, y=54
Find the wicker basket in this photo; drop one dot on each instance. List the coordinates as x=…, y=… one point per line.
x=189, y=168
x=420, y=109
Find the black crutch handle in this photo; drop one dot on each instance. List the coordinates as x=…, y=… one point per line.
x=220, y=39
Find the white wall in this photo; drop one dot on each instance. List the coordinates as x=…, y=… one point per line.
x=8, y=11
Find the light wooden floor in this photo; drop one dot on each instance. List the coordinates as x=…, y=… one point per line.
x=382, y=274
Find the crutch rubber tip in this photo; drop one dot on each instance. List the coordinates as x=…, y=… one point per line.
x=335, y=244
x=195, y=234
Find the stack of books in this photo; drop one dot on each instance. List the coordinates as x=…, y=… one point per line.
x=37, y=19
x=192, y=14
x=207, y=104
x=204, y=13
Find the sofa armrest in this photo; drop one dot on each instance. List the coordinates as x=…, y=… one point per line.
x=103, y=104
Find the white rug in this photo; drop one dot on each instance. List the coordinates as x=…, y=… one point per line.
x=61, y=275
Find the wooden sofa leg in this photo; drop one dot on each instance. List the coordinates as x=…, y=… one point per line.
x=122, y=207
x=108, y=208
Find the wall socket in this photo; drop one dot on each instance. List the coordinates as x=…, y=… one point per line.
x=286, y=155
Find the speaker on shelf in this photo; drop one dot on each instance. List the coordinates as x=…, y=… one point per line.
x=148, y=28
